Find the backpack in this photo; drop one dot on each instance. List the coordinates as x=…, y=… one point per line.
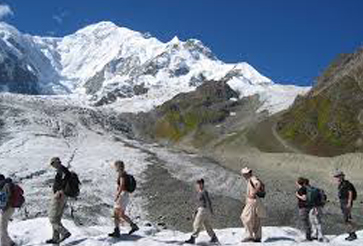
x=72, y=186
x=354, y=191
x=345, y=187
x=316, y=197
x=130, y=183
x=17, y=196
x=4, y=198
x=261, y=193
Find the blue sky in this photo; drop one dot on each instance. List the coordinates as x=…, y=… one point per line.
x=289, y=41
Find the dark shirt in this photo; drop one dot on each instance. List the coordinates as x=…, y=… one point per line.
x=343, y=190
x=203, y=200
x=301, y=203
x=61, y=179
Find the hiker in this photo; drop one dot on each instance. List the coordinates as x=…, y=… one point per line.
x=304, y=209
x=346, y=194
x=315, y=199
x=58, y=202
x=202, y=214
x=122, y=200
x=6, y=211
x=254, y=210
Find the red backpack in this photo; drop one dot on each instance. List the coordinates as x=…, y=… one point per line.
x=17, y=196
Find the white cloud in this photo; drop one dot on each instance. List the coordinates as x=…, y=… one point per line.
x=5, y=10
x=59, y=18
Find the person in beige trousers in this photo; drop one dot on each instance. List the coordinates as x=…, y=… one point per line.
x=254, y=210
x=203, y=214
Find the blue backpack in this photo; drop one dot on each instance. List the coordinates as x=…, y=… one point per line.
x=315, y=197
x=4, y=198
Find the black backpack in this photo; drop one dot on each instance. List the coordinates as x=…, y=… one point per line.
x=72, y=187
x=130, y=183
x=354, y=191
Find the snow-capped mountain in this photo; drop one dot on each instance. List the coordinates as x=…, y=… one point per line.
x=108, y=63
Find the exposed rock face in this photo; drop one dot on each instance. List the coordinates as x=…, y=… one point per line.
x=327, y=121
x=196, y=115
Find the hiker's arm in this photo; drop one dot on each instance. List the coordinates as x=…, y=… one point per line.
x=350, y=199
x=209, y=202
x=301, y=197
x=120, y=188
x=256, y=186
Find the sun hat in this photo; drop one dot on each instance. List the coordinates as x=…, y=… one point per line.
x=338, y=173
x=246, y=170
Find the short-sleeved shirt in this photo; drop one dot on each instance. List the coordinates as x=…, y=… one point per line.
x=302, y=192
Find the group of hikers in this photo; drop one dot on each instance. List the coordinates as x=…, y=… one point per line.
x=66, y=185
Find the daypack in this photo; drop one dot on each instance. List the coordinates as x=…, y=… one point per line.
x=349, y=186
x=354, y=191
x=261, y=193
x=315, y=197
x=17, y=196
x=72, y=186
x=130, y=183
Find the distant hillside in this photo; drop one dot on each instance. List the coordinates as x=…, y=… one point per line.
x=328, y=121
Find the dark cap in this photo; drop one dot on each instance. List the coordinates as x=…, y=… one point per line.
x=200, y=181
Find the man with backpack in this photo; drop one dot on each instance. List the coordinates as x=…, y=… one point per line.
x=346, y=194
x=203, y=214
x=254, y=210
x=6, y=210
x=316, y=199
x=58, y=202
x=126, y=184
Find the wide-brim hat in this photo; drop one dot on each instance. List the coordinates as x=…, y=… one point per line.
x=246, y=170
x=338, y=173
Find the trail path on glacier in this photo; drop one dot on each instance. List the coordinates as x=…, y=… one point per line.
x=88, y=141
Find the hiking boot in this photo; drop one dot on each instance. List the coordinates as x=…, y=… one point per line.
x=134, y=228
x=247, y=240
x=191, y=240
x=352, y=237
x=214, y=239
x=64, y=237
x=51, y=241
x=115, y=233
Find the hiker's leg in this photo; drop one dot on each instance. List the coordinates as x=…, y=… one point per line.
x=126, y=218
x=304, y=218
x=208, y=226
x=198, y=223
x=313, y=223
x=116, y=217
x=319, y=224
x=55, y=216
x=258, y=228
x=62, y=230
x=247, y=220
x=4, y=222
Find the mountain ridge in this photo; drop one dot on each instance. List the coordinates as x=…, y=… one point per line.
x=106, y=63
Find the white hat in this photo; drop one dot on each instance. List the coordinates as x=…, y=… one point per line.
x=246, y=170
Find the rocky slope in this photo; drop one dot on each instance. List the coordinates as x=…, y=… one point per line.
x=328, y=120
